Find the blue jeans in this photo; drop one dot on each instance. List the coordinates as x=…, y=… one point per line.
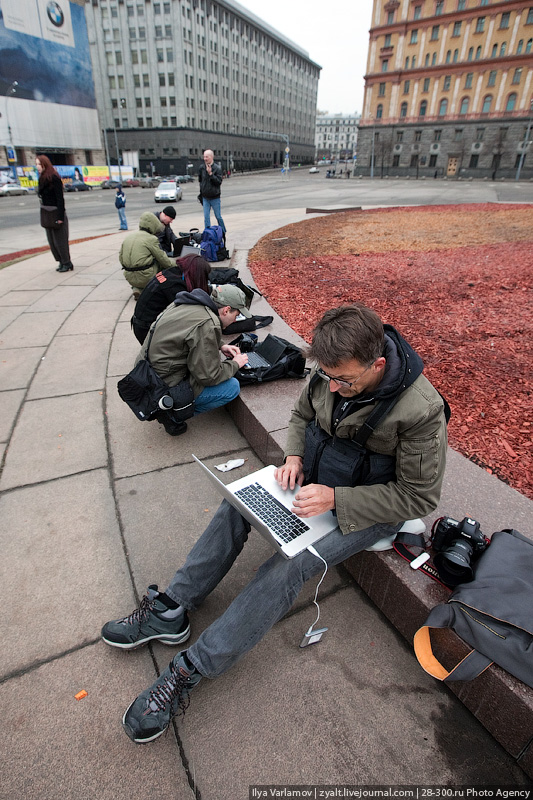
x=122, y=219
x=212, y=203
x=216, y=396
x=268, y=596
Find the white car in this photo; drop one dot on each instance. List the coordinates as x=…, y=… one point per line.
x=313, y=170
x=13, y=188
x=168, y=191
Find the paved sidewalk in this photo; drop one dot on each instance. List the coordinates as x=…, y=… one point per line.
x=94, y=506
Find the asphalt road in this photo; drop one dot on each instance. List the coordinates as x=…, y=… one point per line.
x=93, y=213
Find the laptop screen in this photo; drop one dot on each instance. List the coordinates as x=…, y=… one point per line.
x=271, y=349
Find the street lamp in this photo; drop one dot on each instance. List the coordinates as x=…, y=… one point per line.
x=525, y=142
x=122, y=104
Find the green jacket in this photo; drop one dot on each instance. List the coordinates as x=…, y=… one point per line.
x=141, y=252
x=414, y=432
x=186, y=342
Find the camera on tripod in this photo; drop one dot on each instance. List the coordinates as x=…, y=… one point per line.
x=457, y=545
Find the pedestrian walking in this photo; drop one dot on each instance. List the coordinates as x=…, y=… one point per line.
x=120, y=205
x=53, y=215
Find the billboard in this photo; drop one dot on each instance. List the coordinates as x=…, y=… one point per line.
x=70, y=175
x=46, y=84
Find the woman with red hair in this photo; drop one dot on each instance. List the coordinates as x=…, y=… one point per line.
x=191, y=272
x=50, y=192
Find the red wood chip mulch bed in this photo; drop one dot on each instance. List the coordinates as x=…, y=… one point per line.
x=456, y=281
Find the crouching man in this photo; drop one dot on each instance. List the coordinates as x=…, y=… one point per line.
x=373, y=489
x=187, y=343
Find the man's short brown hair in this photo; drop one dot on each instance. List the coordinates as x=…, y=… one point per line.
x=345, y=333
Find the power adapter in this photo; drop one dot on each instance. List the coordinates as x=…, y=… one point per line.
x=312, y=636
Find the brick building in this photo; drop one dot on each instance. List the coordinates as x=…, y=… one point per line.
x=448, y=89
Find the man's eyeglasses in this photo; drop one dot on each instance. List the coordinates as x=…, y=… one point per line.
x=340, y=381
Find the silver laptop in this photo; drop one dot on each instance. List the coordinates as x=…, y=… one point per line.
x=261, y=500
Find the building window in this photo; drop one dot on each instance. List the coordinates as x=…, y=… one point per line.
x=414, y=36
x=396, y=161
x=519, y=47
x=480, y=134
x=468, y=80
x=390, y=18
x=474, y=158
x=382, y=89
x=384, y=65
x=407, y=63
x=406, y=87
x=399, y=136
x=494, y=51
x=146, y=80
x=438, y=7
x=529, y=20
x=455, y=56
x=403, y=110
x=511, y=102
x=433, y=59
x=457, y=28
x=448, y=56
x=426, y=62
x=443, y=107
x=517, y=75
x=434, y=33
x=470, y=56
x=437, y=133
x=417, y=12
x=379, y=111
x=447, y=82
x=487, y=102
x=464, y=105
x=480, y=25
x=162, y=79
x=503, y=49
x=388, y=40
x=433, y=161
x=458, y=135
x=423, y=108
x=504, y=22
x=418, y=136
x=461, y=5
x=413, y=62
x=528, y=45
x=425, y=87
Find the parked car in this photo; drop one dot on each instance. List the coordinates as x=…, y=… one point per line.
x=109, y=184
x=77, y=186
x=13, y=188
x=185, y=179
x=314, y=170
x=168, y=191
x=131, y=182
x=149, y=183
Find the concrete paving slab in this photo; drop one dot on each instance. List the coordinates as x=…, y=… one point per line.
x=62, y=298
x=104, y=266
x=10, y=403
x=91, y=318
x=355, y=709
x=86, y=357
x=127, y=312
x=7, y=315
x=64, y=554
x=21, y=298
x=110, y=289
x=31, y=330
x=138, y=447
x=56, y=437
x=46, y=279
x=83, y=278
x=61, y=748
x=124, y=347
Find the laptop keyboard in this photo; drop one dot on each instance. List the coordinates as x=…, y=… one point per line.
x=255, y=360
x=286, y=525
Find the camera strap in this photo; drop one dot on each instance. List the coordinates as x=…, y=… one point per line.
x=400, y=546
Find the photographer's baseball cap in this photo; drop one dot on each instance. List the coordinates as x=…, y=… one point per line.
x=170, y=211
x=229, y=295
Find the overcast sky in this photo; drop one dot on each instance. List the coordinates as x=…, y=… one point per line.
x=336, y=39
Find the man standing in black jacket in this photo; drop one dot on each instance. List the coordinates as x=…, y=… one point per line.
x=210, y=179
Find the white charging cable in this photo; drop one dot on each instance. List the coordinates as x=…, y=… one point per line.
x=313, y=636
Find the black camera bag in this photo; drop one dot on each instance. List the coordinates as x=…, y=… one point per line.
x=290, y=363
x=493, y=614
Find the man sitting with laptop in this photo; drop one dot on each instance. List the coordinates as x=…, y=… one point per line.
x=363, y=370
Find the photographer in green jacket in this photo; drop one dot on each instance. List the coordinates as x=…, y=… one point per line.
x=373, y=489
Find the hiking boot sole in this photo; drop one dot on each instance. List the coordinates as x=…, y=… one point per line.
x=131, y=734
x=164, y=638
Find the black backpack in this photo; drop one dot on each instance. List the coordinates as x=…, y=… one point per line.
x=290, y=362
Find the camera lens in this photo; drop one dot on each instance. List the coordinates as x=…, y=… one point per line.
x=166, y=402
x=453, y=564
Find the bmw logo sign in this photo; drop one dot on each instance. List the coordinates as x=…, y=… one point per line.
x=55, y=14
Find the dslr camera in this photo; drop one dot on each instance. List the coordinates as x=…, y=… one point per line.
x=457, y=545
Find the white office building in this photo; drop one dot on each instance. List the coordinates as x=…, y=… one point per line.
x=174, y=77
x=336, y=136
